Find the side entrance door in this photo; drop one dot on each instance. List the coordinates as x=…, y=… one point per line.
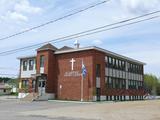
x=98, y=92
x=41, y=86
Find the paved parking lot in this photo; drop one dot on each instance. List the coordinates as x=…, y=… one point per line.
x=12, y=109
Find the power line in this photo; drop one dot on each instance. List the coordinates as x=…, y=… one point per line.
x=94, y=32
x=103, y=30
x=53, y=21
x=88, y=32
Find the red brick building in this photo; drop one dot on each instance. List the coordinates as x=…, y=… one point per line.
x=57, y=74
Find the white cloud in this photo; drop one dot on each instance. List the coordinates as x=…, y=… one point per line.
x=138, y=6
x=25, y=7
x=18, y=10
x=17, y=16
x=9, y=16
x=97, y=42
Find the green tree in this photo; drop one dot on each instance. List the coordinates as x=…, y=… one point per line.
x=151, y=83
x=11, y=81
x=4, y=79
x=158, y=88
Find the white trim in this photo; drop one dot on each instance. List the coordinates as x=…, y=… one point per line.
x=127, y=97
x=112, y=98
x=103, y=98
x=94, y=98
x=26, y=57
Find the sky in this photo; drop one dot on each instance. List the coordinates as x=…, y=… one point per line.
x=139, y=41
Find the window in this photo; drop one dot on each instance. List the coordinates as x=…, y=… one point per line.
x=31, y=64
x=24, y=65
x=116, y=83
x=133, y=84
x=106, y=58
x=141, y=69
x=113, y=82
x=42, y=61
x=109, y=62
x=109, y=82
x=123, y=65
x=33, y=83
x=133, y=68
x=136, y=68
x=120, y=64
x=117, y=63
x=129, y=67
x=25, y=83
x=120, y=83
x=123, y=84
x=98, y=70
x=42, y=84
x=113, y=63
x=129, y=84
x=140, y=85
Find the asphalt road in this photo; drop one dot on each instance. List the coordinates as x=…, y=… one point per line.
x=11, y=109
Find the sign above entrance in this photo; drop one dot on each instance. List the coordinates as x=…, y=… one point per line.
x=72, y=74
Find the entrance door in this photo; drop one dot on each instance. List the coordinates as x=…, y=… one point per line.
x=41, y=86
x=98, y=82
x=98, y=91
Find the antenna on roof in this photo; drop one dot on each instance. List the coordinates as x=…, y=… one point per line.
x=76, y=44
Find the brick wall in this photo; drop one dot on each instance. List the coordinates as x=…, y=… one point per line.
x=99, y=58
x=71, y=85
x=50, y=69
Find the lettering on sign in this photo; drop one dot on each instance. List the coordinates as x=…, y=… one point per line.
x=72, y=74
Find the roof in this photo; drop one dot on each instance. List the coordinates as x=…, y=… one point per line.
x=65, y=48
x=47, y=47
x=102, y=50
x=26, y=57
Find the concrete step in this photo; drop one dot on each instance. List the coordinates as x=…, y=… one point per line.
x=45, y=97
x=30, y=97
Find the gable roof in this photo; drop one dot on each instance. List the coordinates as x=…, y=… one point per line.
x=47, y=47
x=65, y=48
